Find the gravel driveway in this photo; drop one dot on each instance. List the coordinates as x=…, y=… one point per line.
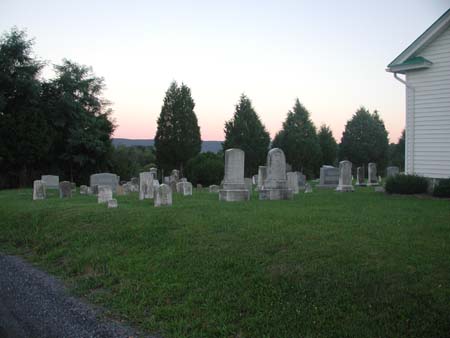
x=36, y=305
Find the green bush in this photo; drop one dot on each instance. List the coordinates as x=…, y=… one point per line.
x=406, y=184
x=442, y=189
x=205, y=168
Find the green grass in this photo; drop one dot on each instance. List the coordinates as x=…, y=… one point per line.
x=360, y=264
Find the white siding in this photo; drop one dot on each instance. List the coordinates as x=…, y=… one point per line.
x=428, y=112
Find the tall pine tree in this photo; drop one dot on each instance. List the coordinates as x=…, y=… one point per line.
x=328, y=145
x=298, y=139
x=178, y=135
x=365, y=140
x=246, y=132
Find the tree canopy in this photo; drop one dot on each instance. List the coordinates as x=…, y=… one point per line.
x=328, y=145
x=365, y=140
x=397, y=152
x=246, y=132
x=298, y=139
x=178, y=135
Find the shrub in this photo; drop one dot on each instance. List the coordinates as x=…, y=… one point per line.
x=442, y=189
x=205, y=168
x=406, y=184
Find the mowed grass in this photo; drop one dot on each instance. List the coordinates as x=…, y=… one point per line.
x=325, y=264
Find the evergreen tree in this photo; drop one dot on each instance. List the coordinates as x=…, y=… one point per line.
x=328, y=145
x=298, y=139
x=24, y=140
x=365, y=140
x=246, y=132
x=397, y=152
x=80, y=120
x=178, y=135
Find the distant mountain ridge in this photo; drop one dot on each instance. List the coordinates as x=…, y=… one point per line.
x=212, y=146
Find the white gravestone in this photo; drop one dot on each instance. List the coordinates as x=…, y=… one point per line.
x=146, y=185
x=248, y=184
x=104, y=193
x=329, y=177
x=112, y=203
x=83, y=189
x=262, y=175
x=214, y=188
x=275, y=186
x=345, y=177
x=292, y=179
x=163, y=196
x=39, y=190
x=104, y=179
x=392, y=171
x=234, y=188
x=301, y=181
x=184, y=188
x=51, y=181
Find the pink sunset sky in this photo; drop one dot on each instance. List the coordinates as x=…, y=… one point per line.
x=332, y=55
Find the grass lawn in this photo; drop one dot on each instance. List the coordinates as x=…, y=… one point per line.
x=326, y=264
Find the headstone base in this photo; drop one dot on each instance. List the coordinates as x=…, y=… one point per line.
x=373, y=184
x=361, y=184
x=327, y=186
x=234, y=195
x=345, y=188
x=275, y=194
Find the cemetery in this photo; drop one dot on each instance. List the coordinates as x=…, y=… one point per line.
x=275, y=233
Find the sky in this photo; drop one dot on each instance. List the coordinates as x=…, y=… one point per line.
x=331, y=55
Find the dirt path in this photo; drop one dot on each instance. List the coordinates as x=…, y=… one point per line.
x=36, y=305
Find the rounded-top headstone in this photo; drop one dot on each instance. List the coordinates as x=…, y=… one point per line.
x=39, y=188
x=65, y=189
x=276, y=169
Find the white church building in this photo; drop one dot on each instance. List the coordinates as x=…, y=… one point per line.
x=425, y=65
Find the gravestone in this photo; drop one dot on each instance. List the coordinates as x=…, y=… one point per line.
x=372, y=178
x=183, y=179
x=104, y=193
x=154, y=172
x=146, y=186
x=248, y=184
x=83, y=189
x=276, y=186
x=262, y=175
x=379, y=189
x=51, y=181
x=135, y=181
x=214, y=188
x=308, y=188
x=94, y=190
x=392, y=171
x=166, y=180
x=174, y=179
x=292, y=179
x=163, y=196
x=329, y=177
x=89, y=191
x=112, y=203
x=301, y=181
x=234, y=188
x=345, y=177
x=360, y=179
x=109, y=179
x=39, y=190
x=65, y=189
x=199, y=186
x=73, y=186
x=184, y=188
x=155, y=186
x=255, y=179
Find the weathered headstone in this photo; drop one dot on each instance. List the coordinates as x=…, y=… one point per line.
x=51, y=181
x=255, y=179
x=39, y=190
x=380, y=189
x=120, y=190
x=345, y=177
x=112, y=203
x=104, y=179
x=163, y=196
x=360, y=179
x=83, y=189
x=104, y=193
x=233, y=184
x=329, y=177
x=262, y=175
x=166, y=180
x=73, y=186
x=184, y=188
x=199, y=186
x=292, y=179
x=155, y=186
x=308, y=188
x=135, y=181
x=275, y=186
x=372, y=177
x=174, y=179
x=183, y=179
x=145, y=185
x=65, y=189
x=154, y=172
x=301, y=181
x=214, y=188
